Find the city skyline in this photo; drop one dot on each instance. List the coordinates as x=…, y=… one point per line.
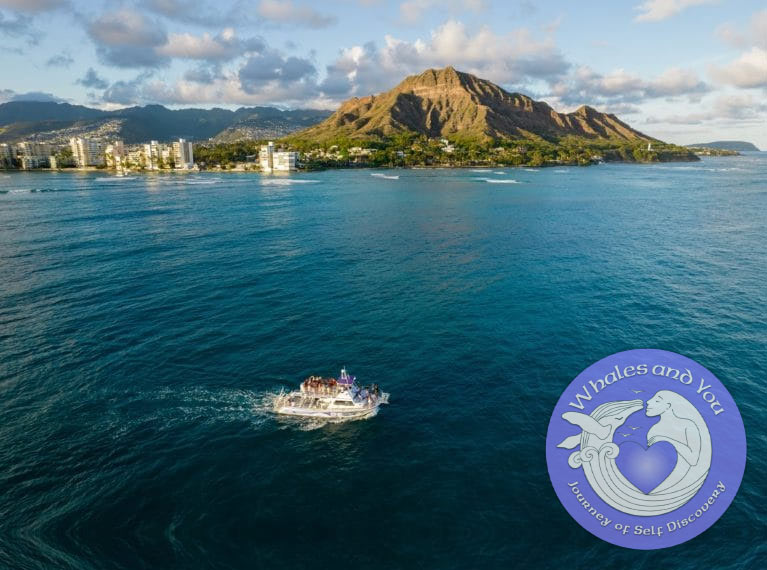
x=681, y=70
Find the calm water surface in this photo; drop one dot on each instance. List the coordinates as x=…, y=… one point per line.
x=145, y=322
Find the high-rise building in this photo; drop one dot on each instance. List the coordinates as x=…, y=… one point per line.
x=33, y=154
x=87, y=152
x=114, y=154
x=280, y=161
x=7, y=154
x=183, y=154
x=152, y=156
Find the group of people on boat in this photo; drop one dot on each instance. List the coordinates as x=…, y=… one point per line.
x=319, y=384
x=370, y=393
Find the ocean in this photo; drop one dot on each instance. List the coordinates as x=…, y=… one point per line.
x=147, y=321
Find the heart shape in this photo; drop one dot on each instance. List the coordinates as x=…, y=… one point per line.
x=646, y=467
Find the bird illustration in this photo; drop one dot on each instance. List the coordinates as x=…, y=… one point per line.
x=625, y=434
x=634, y=427
x=637, y=391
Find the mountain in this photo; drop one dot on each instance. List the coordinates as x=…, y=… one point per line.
x=57, y=122
x=268, y=122
x=740, y=146
x=446, y=102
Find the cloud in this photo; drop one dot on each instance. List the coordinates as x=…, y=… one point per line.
x=412, y=11
x=92, y=80
x=727, y=108
x=286, y=12
x=271, y=66
x=754, y=35
x=37, y=96
x=33, y=6
x=516, y=57
x=266, y=75
x=221, y=47
x=19, y=26
x=193, y=12
x=203, y=74
x=229, y=88
x=585, y=85
x=126, y=92
x=656, y=10
x=127, y=38
x=748, y=70
x=60, y=60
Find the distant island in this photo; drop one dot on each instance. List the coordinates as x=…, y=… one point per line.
x=739, y=146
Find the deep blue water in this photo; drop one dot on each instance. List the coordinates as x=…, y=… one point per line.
x=145, y=322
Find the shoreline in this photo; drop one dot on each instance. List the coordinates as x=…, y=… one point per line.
x=113, y=173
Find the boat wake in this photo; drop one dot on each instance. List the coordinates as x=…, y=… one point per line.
x=499, y=180
x=195, y=181
x=169, y=408
x=286, y=181
x=386, y=176
x=114, y=178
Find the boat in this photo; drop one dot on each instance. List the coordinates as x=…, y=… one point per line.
x=331, y=398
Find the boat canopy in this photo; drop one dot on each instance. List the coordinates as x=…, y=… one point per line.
x=345, y=379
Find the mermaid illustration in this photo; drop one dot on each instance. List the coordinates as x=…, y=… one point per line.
x=680, y=424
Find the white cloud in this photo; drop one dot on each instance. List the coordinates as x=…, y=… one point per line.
x=754, y=35
x=585, y=85
x=228, y=88
x=286, y=12
x=729, y=107
x=512, y=58
x=656, y=10
x=748, y=70
x=127, y=38
x=221, y=47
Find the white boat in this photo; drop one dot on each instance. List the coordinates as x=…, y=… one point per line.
x=331, y=398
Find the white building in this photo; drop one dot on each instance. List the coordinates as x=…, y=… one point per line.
x=280, y=161
x=115, y=156
x=183, y=154
x=152, y=156
x=28, y=162
x=33, y=155
x=87, y=152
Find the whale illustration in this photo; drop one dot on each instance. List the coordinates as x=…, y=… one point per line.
x=681, y=425
x=599, y=426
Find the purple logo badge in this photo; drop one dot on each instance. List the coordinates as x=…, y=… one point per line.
x=646, y=449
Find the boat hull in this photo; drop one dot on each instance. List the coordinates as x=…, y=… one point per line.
x=327, y=414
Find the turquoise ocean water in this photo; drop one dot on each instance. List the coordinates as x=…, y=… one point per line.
x=146, y=321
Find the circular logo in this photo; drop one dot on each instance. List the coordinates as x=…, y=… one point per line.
x=646, y=449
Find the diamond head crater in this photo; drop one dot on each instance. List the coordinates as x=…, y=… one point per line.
x=445, y=117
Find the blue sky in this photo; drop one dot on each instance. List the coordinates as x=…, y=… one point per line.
x=681, y=70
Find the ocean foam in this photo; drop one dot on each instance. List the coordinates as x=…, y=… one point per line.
x=387, y=176
x=499, y=180
x=286, y=181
